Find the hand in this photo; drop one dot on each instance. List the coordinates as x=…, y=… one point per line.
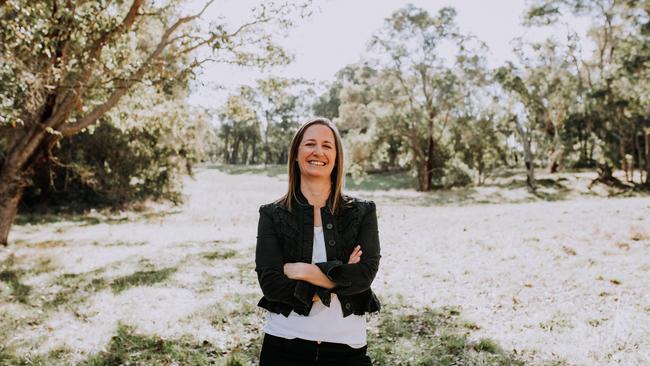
x=315, y=298
x=296, y=271
x=355, y=257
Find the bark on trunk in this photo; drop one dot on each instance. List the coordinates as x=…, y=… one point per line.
x=11, y=191
x=528, y=154
x=429, y=165
x=647, y=157
x=422, y=176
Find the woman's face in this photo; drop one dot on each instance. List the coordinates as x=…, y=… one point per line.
x=317, y=152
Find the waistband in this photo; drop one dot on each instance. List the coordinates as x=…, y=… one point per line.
x=307, y=342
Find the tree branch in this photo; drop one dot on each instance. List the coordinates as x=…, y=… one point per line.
x=26, y=148
x=124, y=84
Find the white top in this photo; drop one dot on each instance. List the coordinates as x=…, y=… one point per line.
x=323, y=323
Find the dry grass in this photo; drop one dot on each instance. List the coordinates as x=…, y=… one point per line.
x=485, y=276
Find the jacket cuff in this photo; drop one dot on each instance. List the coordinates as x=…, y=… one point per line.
x=304, y=292
x=329, y=268
x=324, y=295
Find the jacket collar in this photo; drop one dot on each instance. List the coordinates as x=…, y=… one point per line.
x=300, y=202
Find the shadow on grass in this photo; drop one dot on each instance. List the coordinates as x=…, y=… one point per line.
x=86, y=218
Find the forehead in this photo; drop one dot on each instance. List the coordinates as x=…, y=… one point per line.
x=318, y=132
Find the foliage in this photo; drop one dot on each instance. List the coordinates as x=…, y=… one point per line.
x=65, y=66
x=137, y=151
x=256, y=124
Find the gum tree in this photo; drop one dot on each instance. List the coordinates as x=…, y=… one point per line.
x=65, y=64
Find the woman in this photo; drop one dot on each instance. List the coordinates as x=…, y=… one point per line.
x=315, y=299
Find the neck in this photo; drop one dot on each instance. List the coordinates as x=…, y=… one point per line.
x=316, y=191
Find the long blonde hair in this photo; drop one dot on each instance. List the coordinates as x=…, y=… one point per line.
x=335, y=201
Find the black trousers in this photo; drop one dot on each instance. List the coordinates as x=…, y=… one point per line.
x=277, y=351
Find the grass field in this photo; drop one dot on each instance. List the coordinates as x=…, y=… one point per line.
x=486, y=275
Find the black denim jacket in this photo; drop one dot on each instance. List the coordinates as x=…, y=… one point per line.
x=285, y=236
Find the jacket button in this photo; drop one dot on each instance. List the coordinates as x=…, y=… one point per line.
x=347, y=305
x=329, y=226
x=332, y=243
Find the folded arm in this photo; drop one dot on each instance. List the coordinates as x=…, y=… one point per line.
x=355, y=278
x=275, y=285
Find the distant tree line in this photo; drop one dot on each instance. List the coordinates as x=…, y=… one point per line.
x=425, y=100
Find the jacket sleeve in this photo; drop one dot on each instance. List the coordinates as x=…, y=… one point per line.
x=352, y=279
x=269, y=265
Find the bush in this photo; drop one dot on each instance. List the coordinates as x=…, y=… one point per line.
x=456, y=174
x=132, y=154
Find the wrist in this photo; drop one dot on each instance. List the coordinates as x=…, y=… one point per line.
x=308, y=272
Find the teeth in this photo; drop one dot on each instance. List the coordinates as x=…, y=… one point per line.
x=313, y=162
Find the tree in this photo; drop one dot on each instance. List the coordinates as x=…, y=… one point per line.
x=65, y=65
x=278, y=108
x=136, y=151
x=424, y=90
x=612, y=82
x=240, y=128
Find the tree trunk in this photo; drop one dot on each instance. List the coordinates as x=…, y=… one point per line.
x=226, y=153
x=422, y=176
x=11, y=191
x=647, y=157
x=429, y=164
x=234, y=155
x=267, y=148
x=639, y=154
x=528, y=154
x=428, y=160
x=254, y=153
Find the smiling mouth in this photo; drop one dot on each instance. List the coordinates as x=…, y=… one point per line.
x=316, y=162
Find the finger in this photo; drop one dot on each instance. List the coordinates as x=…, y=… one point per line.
x=356, y=258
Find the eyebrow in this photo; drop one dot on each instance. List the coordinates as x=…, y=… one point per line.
x=315, y=141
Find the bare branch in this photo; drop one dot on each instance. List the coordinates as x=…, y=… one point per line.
x=214, y=37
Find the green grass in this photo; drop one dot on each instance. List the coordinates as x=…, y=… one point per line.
x=128, y=348
x=19, y=291
x=55, y=357
x=11, y=276
x=75, y=288
x=141, y=278
x=220, y=254
x=407, y=336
